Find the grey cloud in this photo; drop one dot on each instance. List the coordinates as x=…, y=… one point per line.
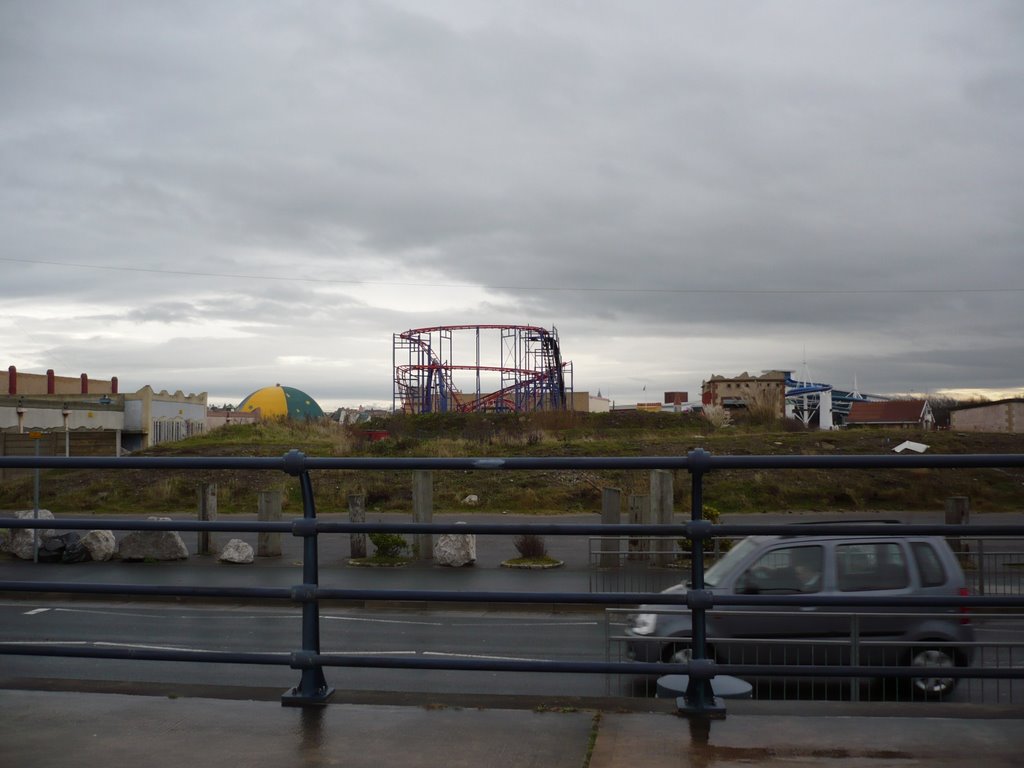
x=761, y=146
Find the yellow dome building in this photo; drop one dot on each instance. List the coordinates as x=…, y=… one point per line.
x=282, y=402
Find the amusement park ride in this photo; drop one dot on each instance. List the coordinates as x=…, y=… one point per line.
x=440, y=369
x=807, y=400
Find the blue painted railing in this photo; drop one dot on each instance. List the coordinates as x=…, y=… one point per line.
x=313, y=688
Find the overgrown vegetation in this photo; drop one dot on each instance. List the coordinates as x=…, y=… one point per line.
x=542, y=491
x=531, y=546
x=388, y=545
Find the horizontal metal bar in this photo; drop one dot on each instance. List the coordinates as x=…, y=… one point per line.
x=145, y=524
x=801, y=670
x=462, y=596
x=78, y=588
x=144, y=654
x=675, y=530
x=442, y=662
x=698, y=461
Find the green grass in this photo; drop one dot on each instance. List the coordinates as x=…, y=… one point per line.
x=542, y=491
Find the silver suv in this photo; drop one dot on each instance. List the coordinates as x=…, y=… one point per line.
x=806, y=634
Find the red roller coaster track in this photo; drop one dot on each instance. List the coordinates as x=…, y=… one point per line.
x=440, y=369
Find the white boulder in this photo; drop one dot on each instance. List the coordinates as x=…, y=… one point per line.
x=472, y=500
x=237, y=551
x=153, y=545
x=102, y=545
x=21, y=542
x=455, y=549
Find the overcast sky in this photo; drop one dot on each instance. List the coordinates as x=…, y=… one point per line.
x=221, y=196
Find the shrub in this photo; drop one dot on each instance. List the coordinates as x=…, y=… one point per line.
x=388, y=544
x=711, y=514
x=715, y=416
x=531, y=546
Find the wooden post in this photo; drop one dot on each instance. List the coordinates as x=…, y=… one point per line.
x=611, y=514
x=639, y=514
x=268, y=510
x=207, y=511
x=661, y=512
x=357, y=514
x=423, y=510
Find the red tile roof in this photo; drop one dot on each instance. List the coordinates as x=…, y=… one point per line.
x=889, y=412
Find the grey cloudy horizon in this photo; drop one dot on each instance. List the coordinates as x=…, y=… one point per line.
x=218, y=197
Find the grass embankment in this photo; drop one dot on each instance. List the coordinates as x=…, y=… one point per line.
x=552, y=434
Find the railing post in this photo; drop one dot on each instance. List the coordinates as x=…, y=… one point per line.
x=855, y=655
x=699, y=700
x=312, y=689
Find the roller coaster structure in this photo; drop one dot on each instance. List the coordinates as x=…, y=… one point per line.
x=528, y=374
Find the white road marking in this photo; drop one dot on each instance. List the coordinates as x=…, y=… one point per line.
x=485, y=623
x=371, y=653
x=169, y=647
x=35, y=611
x=125, y=614
x=44, y=642
x=479, y=656
x=384, y=621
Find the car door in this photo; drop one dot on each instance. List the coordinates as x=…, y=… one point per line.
x=869, y=568
x=776, y=634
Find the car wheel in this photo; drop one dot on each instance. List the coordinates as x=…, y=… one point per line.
x=677, y=653
x=681, y=653
x=936, y=686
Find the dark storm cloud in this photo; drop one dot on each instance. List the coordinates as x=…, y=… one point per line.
x=806, y=147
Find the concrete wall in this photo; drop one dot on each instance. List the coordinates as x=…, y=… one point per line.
x=997, y=417
x=47, y=413
x=159, y=417
x=40, y=384
x=221, y=418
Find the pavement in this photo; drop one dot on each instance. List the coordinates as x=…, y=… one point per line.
x=55, y=723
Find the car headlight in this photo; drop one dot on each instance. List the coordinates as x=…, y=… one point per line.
x=643, y=623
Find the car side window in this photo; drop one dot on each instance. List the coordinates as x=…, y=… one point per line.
x=783, y=571
x=870, y=566
x=928, y=565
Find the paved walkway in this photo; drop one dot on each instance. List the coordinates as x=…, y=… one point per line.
x=51, y=730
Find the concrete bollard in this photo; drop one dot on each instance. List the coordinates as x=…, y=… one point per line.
x=357, y=514
x=205, y=543
x=423, y=510
x=268, y=510
x=639, y=514
x=661, y=513
x=958, y=512
x=611, y=514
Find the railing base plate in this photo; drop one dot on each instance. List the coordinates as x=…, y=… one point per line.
x=293, y=697
x=712, y=710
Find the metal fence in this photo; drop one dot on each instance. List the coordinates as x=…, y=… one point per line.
x=699, y=699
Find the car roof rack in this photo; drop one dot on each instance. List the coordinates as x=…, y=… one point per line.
x=849, y=522
x=825, y=523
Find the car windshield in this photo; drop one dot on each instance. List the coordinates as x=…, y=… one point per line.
x=725, y=564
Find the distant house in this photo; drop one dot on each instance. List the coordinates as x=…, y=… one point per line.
x=999, y=416
x=898, y=414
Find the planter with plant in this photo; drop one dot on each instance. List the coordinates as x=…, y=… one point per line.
x=533, y=553
x=389, y=552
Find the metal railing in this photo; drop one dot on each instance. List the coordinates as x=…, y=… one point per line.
x=699, y=699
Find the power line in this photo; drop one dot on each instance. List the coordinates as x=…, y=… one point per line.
x=531, y=288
